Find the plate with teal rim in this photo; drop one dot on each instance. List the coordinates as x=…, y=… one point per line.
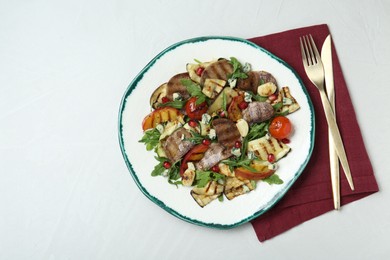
x=177, y=200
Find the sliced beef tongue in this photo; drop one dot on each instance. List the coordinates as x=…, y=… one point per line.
x=227, y=132
x=257, y=112
x=255, y=79
x=176, y=145
x=174, y=86
x=212, y=156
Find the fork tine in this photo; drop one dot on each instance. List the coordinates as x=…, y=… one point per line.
x=303, y=51
x=310, y=51
x=317, y=54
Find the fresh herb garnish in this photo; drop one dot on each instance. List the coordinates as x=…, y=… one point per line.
x=179, y=104
x=173, y=173
x=150, y=139
x=204, y=177
x=194, y=90
x=277, y=106
x=238, y=72
x=273, y=179
x=196, y=138
x=197, y=61
x=245, y=162
x=224, y=102
x=257, y=130
x=257, y=97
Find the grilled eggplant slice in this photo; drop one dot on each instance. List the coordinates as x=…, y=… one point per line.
x=205, y=195
x=235, y=187
x=158, y=94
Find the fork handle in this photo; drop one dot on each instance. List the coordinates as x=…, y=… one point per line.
x=334, y=131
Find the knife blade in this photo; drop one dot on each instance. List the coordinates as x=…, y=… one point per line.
x=326, y=57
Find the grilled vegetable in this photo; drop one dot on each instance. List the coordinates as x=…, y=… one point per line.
x=195, y=70
x=228, y=93
x=212, y=87
x=235, y=187
x=161, y=115
x=259, y=171
x=266, y=89
x=208, y=193
x=234, y=110
x=264, y=146
x=194, y=155
x=158, y=95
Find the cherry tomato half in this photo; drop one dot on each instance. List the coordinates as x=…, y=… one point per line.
x=195, y=111
x=280, y=127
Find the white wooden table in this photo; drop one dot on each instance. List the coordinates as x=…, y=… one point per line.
x=65, y=191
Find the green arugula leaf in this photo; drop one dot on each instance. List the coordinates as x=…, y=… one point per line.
x=159, y=168
x=204, y=177
x=257, y=97
x=257, y=131
x=179, y=104
x=194, y=90
x=273, y=179
x=150, y=139
x=238, y=72
x=234, y=162
x=277, y=106
x=196, y=138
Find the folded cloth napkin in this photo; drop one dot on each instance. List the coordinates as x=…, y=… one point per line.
x=311, y=194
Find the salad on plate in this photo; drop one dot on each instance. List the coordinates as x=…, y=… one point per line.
x=219, y=128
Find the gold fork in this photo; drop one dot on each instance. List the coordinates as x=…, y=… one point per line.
x=315, y=71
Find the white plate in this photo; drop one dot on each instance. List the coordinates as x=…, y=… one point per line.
x=178, y=201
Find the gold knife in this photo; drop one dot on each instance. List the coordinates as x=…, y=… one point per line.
x=326, y=57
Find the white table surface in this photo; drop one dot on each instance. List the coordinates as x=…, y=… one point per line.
x=65, y=191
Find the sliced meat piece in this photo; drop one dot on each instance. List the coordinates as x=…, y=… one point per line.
x=217, y=70
x=212, y=156
x=176, y=146
x=250, y=83
x=255, y=79
x=265, y=77
x=257, y=112
x=174, y=86
x=227, y=132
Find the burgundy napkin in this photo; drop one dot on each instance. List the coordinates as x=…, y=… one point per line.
x=311, y=194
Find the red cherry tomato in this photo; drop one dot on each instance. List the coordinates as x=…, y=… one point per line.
x=280, y=127
x=195, y=111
